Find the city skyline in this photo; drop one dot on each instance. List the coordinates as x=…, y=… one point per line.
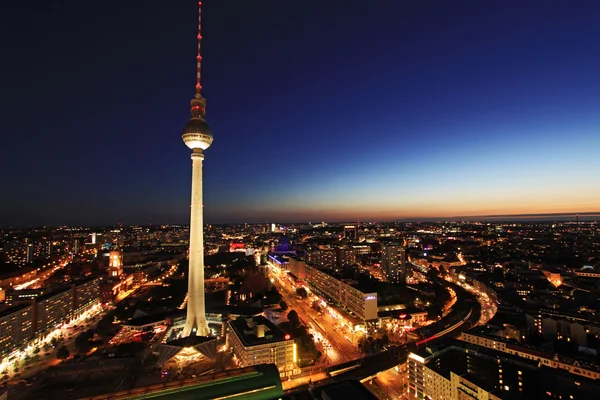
x=405, y=112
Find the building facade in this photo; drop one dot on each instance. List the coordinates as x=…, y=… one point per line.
x=363, y=305
x=326, y=258
x=87, y=295
x=16, y=327
x=53, y=309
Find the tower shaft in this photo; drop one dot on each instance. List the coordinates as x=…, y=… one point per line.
x=196, y=318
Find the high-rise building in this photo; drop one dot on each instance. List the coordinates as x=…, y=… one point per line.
x=198, y=136
x=350, y=232
x=346, y=257
x=324, y=258
x=393, y=263
x=29, y=257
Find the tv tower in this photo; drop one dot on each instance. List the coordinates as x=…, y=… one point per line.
x=198, y=136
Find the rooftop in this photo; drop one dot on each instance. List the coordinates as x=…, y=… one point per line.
x=53, y=293
x=257, y=330
x=13, y=309
x=256, y=382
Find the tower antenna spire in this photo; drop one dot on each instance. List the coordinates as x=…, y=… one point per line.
x=199, y=55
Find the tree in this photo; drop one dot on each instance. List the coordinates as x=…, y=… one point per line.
x=293, y=319
x=283, y=305
x=272, y=296
x=385, y=340
x=36, y=350
x=302, y=293
x=432, y=274
x=129, y=349
x=54, y=342
x=62, y=353
x=434, y=312
x=82, y=341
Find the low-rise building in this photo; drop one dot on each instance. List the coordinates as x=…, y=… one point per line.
x=256, y=340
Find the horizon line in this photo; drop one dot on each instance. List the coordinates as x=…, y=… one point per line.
x=471, y=218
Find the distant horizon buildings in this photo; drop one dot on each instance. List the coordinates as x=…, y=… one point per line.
x=584, y=217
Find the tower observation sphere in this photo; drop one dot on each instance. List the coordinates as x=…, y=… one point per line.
x=196, y=133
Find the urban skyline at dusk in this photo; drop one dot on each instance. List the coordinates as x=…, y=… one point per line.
x=401, y=201
x=334, y=110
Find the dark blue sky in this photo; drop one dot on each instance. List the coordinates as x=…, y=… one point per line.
x=321, y=109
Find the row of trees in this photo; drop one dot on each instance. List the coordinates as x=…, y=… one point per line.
x=308, y=352
x=369, y=345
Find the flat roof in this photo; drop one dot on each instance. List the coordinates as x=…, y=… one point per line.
x=13, y=309
x=53, y=293
x=244, y=328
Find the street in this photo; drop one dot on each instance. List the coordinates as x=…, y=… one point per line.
x=336, y=346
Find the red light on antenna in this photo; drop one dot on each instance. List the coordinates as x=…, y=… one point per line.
x=288, y=337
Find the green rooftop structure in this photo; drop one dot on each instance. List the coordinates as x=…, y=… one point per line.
x=259, y=382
